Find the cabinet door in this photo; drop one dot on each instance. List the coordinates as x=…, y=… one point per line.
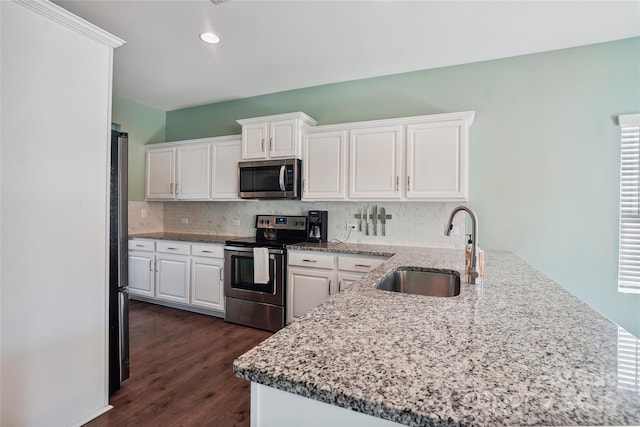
x=308, y=288
x=284, y=138
x=160, y=178
x=172, y=278
x=325, y=166
x=192, y=172
x=437, y=161
x=376, y=165
x=254, y=141
x=207, y=283
x=224, y=174
x=141, y=274
x=347, y=279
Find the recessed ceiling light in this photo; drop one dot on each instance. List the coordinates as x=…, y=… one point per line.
x=209, y=38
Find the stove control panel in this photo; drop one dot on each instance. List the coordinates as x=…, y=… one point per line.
x=281, y=222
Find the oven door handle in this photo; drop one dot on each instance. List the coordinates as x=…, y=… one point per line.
x=281, y=180
x=250, y=250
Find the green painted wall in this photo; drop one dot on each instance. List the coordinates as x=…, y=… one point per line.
x=144, y=125
x=544, y=150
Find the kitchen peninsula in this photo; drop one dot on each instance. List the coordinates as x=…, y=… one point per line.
x=517, y=350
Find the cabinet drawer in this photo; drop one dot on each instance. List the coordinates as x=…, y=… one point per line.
x=308, y=259
x=208, y=251
x=142, y=245
x=362, y=264
x=169, y=247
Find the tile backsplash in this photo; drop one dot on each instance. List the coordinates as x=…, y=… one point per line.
x=413, y=224
x=145, y=217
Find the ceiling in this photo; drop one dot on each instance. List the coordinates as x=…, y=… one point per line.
x=271, y=46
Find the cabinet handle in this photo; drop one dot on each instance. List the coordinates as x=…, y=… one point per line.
x=408, y=183
x=397, y=183
x=206, y=252
x=177, y=188
x=172, y=249
x=270, y=144
x=139, y=246
x=340, y=286
x=329, y=287
x=262, y=145
x=363, y=265
x=221, y=275
x=304, y=185
x=171, y=188
x=151, y=266
x=309, y=260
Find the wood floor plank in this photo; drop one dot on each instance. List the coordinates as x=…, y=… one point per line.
x=181, y=371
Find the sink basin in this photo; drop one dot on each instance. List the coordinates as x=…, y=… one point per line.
x=430, y=283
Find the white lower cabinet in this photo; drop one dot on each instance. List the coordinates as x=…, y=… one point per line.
x=309, y=287
x=172, y=278
x=310, y=281
x=347, y=279
x=177, y=274
x=141, y=273
x=314, y=276
x=142, y=259
x=207, y=288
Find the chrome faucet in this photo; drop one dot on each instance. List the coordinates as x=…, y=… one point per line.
x=473, y=270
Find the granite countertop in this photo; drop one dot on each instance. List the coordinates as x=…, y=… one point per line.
x=184, y=237
x=517, y=350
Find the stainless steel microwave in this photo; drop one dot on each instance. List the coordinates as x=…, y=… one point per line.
x=270, y=179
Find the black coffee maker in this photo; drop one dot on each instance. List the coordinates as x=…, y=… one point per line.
x=317, y=224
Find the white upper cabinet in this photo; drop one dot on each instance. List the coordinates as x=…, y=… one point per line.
x=423, y=158
x=199, y=169
x=274, y=136
x=255, y=140
x=324, y=166
x=160, y=173
x=192, y=172
x=376, y=165
x=178, y=172
x=437, y=161
x=225, y=156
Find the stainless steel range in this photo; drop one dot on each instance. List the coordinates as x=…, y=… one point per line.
x=260, y=303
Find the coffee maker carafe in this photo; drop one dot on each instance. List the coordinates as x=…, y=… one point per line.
x=317, y=223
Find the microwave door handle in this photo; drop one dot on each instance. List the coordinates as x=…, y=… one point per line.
x=282, y=169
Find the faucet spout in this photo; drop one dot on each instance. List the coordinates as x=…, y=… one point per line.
x=473, y=270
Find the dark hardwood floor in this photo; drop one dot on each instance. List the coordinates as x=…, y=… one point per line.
x=181, y=371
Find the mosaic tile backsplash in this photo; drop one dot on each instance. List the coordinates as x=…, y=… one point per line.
x=413, y=224
x=145, y=217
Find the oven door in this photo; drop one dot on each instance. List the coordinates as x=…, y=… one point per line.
x=238, y=276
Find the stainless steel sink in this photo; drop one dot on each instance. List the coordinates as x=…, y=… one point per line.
x=422, y=282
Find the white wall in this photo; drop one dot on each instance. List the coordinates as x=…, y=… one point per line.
x=55, y=116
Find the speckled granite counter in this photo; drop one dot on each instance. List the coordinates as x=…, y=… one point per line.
x=517, y=350
x=184, y=237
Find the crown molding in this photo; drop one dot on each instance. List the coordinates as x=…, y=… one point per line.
x=64, y=17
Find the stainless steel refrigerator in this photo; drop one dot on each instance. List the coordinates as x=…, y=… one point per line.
x=118, y=264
